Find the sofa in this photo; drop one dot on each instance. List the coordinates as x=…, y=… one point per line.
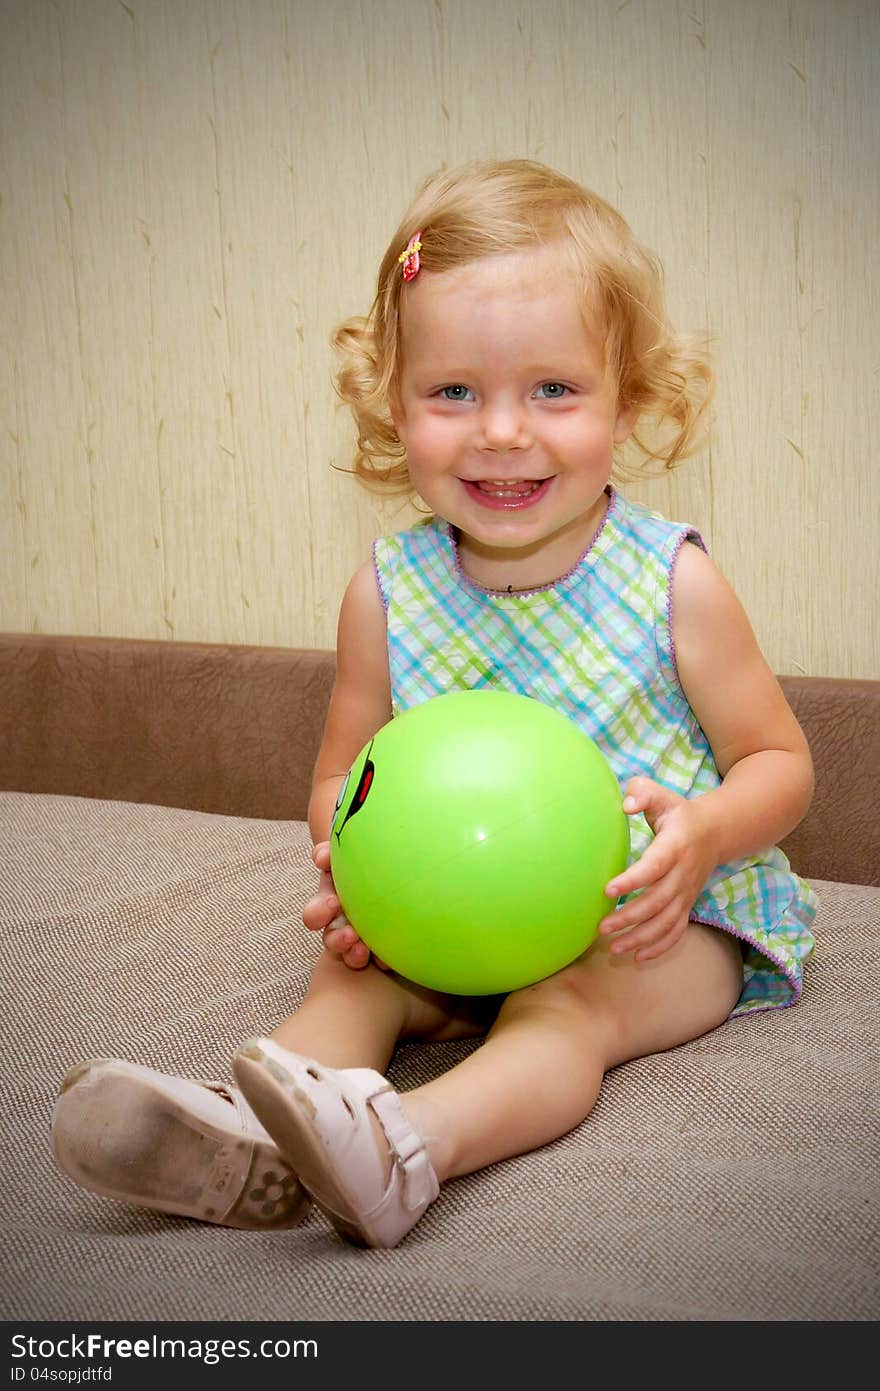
x=154, y=861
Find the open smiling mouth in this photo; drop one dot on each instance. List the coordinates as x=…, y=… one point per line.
x=507, y=493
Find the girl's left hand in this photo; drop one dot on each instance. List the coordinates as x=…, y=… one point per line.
x=670, y=874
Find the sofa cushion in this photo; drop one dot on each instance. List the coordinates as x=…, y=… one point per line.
x=737, y=1177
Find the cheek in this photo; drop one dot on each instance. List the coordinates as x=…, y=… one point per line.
x=430, y=441
x=592, y=435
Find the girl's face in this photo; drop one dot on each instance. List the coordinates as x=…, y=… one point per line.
x=508, y=414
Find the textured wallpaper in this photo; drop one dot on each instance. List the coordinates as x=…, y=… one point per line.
x=193, y=192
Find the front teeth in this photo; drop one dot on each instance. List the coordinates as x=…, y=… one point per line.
x=508, y=487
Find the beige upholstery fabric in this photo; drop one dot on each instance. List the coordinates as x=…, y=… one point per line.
x=735, y=1178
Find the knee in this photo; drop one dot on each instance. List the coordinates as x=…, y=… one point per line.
x=569, y=997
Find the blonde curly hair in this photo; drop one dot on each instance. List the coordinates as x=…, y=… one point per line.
x=489, y=208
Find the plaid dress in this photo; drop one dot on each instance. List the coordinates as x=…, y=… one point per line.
x=597, y=645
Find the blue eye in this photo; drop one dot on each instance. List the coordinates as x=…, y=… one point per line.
x=457, y=392
x=552, y=391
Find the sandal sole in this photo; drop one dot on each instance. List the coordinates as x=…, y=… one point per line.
x=118, y=1133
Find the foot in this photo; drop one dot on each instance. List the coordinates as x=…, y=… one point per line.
x=194, y=1149
x=322, y=1120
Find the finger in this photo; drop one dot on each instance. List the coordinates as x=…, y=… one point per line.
x=320, y=911
x=658, y=860
x=641, y=909
x=357, y=956
x=323, y=903
x=321, y=855
x=340, y=937
x=669, y=939
x=649, y=797
x=640, y=789
x=313, y=919
x=651, y=934
x=656, y=906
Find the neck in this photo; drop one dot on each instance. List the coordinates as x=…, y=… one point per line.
x=536, y=567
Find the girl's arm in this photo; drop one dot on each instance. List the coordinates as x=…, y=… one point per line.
x=759, y=747
x=361, y=699
x=359, y=705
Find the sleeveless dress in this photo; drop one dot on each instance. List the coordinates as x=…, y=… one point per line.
x=598, y=645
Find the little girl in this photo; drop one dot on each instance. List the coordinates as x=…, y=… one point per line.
x=517, y=339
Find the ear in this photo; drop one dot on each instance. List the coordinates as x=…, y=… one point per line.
x=625, y=423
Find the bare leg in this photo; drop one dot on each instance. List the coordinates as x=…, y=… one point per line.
x=356, y=1018
x=539, y=1071
x=373, y=1159
x=318, y=1086
x=197, y=1150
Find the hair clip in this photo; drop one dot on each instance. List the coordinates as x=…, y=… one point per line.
x=409, y=258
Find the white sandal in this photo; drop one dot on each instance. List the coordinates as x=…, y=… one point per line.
x=190, y=1148
x=319, y=1118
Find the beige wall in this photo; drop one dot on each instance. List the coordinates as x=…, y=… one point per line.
x=194, y=191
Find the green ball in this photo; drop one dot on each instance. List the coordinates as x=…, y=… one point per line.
x=473, y=839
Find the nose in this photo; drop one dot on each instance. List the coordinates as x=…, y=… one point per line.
x=502, y=426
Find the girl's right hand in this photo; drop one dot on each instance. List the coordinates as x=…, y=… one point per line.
x=323, y=913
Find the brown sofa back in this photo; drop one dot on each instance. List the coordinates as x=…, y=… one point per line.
x=217, y=728
x=235, y=730
x=839, y=838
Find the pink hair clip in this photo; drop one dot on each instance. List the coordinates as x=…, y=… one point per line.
x=409, y=259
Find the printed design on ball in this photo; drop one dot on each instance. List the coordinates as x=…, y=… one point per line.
x=361, y=792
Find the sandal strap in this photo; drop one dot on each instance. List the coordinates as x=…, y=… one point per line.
x=229, y=1171
x=232, y=1161
x=413, y=1171
x=248, y=1122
